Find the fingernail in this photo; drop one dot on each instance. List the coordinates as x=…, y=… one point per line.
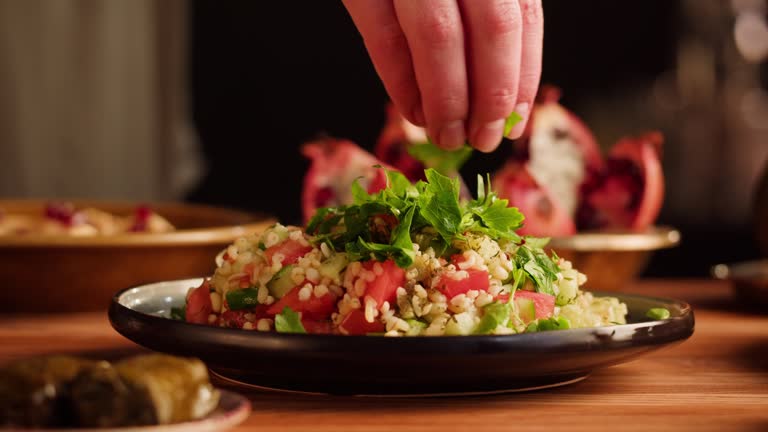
x=522, y=110
x=488, y=136
x=452, y=135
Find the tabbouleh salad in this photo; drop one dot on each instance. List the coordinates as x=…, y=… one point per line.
x=409, y=260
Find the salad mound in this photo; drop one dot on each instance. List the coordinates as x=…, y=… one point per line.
x=408, y=260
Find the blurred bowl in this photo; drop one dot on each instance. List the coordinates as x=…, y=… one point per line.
x=749, y=280
x=62, y=273
x=612, y=259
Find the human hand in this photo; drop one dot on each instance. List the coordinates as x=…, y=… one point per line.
x=456, y=67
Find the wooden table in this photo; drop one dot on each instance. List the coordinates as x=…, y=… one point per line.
x=715, y=381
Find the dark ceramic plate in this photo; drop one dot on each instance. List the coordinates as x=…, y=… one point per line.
x=378, y=365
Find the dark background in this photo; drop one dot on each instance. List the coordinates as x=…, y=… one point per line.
x=268, y=76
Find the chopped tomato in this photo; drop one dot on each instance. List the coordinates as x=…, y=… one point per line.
x=476, y=280
x=544, y=303
x=356, y=324
x=318, y=308
x=317, y=327
x=384, y=287
x=236, y=318
x=199, y=305
x=291, y=250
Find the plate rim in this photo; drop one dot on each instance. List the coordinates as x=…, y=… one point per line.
x=214, y=421
x=234, y=352
x=116, y=308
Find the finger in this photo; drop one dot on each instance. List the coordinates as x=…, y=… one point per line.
x=530, y=61
x=436, y=40
x=386, y=44
x=495, y=40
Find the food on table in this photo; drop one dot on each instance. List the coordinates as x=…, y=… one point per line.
x=560, y=181
x=406, y=260
x=62, y=218
x=33, y=392
x=67, y=391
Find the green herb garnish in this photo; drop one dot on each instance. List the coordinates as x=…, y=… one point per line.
x=511, y=121
x=444, y=161
x=448, y=162
x=288, y=321
x=385, y=224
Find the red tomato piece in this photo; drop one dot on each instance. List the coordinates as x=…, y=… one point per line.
x=544, y=303
x=199, y=305
x=292, y=250
x=477, y=280
x=384, y=287
x=317, y=327
x=355, y=324
x=317, y=308
x=236, y=318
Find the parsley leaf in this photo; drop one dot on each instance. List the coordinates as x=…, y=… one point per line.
x=439, y=202
x=511, y=121
x=288, y=321
x=443, y=161
x=539, y=267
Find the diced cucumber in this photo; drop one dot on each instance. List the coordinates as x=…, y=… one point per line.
x=242, y=299
x=568, y=291
x=460, y=325
x=494, y=315
x=526, y=309
x=332, y=267
x=281, y=282
x=417, y=327
x=554, y=323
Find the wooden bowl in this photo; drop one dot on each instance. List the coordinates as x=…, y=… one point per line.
x=612, y=259
x=44, y=273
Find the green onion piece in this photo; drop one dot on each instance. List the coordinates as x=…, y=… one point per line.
x=242, y=299
x=554, y=323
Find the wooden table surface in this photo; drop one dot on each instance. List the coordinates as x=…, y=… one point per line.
x=715, y=381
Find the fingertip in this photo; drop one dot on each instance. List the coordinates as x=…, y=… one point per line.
x=488, y=136
x=417, y=116
x=451, y=136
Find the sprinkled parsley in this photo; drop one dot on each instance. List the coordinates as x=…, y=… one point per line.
x=448, y=162
x=386, y=224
